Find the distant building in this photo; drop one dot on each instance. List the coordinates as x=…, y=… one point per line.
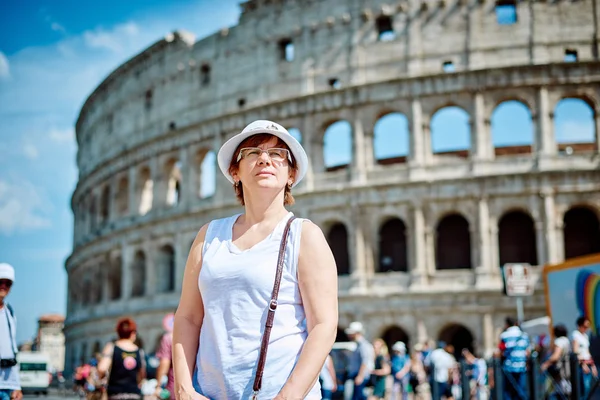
x=50, y=339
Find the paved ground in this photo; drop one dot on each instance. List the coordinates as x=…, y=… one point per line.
x=54, y=394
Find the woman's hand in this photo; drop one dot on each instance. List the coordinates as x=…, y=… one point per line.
x=191, y=396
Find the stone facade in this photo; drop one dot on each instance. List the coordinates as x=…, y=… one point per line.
x=50, y=339
x=419, y=240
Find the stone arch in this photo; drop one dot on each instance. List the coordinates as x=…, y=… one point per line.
x=97, y=283
x=337, y=237
x=390, y=138
x=581, y=232
x=172, y=172
x=512, y=126
x=451, y=131
x=337, y=145
x=104, y=205
x=138, y=274
x=517, y=238
x=208, y=175
x=114, y=279
x=295, y=132
x=144, y=190
x=166, y=269
x=122, y=197
x=459, y=336
x=392, y=246
x=395, y=334
x=453, y=243
x=574, y=123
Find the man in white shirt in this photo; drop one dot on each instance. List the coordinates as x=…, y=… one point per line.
x=581, y=347
x=443, y=363
x=362, y=360
x=10, y=386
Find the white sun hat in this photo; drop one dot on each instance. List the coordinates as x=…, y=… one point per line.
x=355, y=327
x=7, y=272
x=255, y=128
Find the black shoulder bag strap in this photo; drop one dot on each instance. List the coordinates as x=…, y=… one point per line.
x=271, y=313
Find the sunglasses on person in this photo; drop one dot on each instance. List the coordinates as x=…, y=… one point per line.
x=275, y=154
x=5, y=282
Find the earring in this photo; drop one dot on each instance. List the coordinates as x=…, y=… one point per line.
x=236, y=184
x=289, y=185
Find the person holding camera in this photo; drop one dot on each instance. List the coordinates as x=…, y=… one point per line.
x=10, y=386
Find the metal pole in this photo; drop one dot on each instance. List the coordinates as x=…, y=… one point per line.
x=520, y=313
x=575, y=377
x=534, y=367
x=498, y=379
x=464, y=381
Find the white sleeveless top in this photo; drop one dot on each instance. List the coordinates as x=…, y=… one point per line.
x=236, y=289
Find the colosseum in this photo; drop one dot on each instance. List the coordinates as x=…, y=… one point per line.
x=419, y=232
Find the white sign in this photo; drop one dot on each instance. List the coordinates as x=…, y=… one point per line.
x=519, y=281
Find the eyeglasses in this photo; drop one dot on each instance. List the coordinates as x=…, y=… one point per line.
x=275, y=154
x=5, y=282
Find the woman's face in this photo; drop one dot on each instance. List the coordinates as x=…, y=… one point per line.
x=258, y=169
x=377, y=346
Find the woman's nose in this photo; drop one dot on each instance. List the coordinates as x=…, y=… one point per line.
x=264, y=158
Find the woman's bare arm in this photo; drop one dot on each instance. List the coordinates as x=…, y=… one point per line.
x=106, y=360
x=317, y=277
x=188, y=321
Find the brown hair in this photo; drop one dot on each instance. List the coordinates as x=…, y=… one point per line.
x=255, y=141
x=125, y=328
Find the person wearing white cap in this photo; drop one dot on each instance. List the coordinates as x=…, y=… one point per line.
x=400, y=371
x=10, y=386
x=221, y=327
x=361, y=362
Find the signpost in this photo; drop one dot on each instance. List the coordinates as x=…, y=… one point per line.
x=519, y=283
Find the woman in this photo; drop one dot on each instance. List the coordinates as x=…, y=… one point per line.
x=557, y=364
x=229, y=278
x=126, y=363
x=328, y=379
x=400, y=371
x=381, y=371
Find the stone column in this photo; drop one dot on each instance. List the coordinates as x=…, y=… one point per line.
x=481, y=140
x=369, y=149
x=489, y=341
x=359, y=169
x=159, y=183
x=308, y=135
x=151, y=282
x=430, y=250
x=416, y=138
x=126, y=265
x=545, y=143
x=597, y=129
x=184, y=172
x=105, y=269
x=551, y=240
x=485, y=267
x=223, y=188
x=132, y=197
x=191, y=178
x=113, y=193
x=418, y=250
x=357, y=252
x=181, y=254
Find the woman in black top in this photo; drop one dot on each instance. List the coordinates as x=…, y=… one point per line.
x=126, y=363
x=381, y=371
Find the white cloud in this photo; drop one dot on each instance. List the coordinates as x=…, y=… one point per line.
x=62, y=135
x=55, y=26
x=30, y=151
x=4, y=68
x=112, y=40
x=22, y=208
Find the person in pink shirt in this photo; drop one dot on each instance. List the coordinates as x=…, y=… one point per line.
x=164, y=354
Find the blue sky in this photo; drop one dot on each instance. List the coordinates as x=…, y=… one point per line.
x=54, y=53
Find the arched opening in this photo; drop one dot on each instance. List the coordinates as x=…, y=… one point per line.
x=166, y=269
x=122, y=197
x=337, y=145
x=574, y=126
x=97, y=284
x=295, y=132
x=114, y=279
x=581, y=232
x=459, y=337
x=392, y=246
x=453, y=249
x=395, y=334
x=516, y=239
x=338, y=241
x=512, y=128
x=145, y=188
x=208, y=175
x=86, y=288
x=96, y=349
x=451, y=132
x=173, y=174
x=104, y=205
x=93, y=214
x=390, y=142
x=138, y=275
